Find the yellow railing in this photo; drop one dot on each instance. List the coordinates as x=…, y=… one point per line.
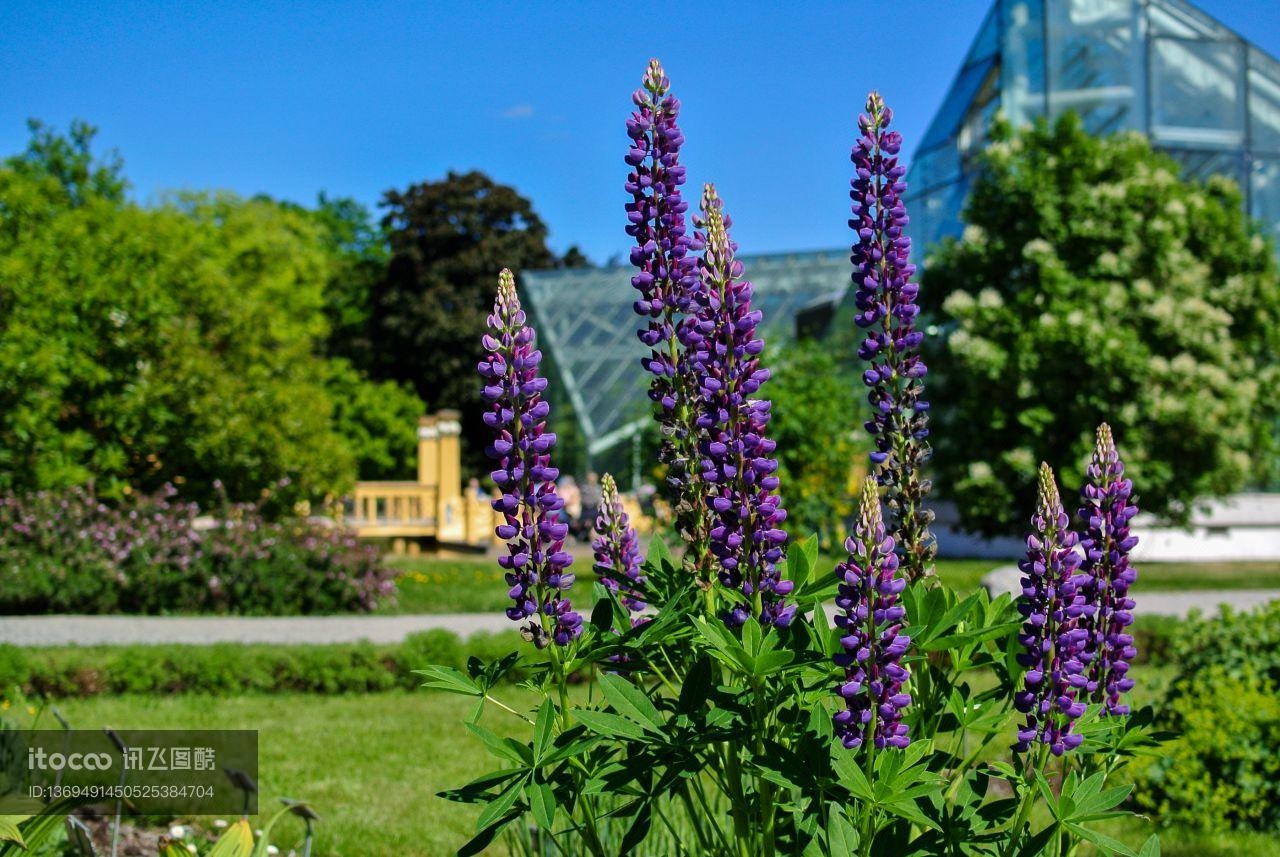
x=377, y=508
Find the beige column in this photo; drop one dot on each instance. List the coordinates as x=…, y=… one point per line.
x=428, y=452
x=450, y=522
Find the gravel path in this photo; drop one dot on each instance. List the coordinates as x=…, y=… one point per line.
x=167, y=630
x=1005, y=579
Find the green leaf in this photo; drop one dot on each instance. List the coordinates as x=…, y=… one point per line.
x=543, y=729
x=504, y=748
x=659, y=555
x=1150, y=848
x=911, y=812
x=1106, y=843
x=449, y=680
x=770, y=662
x=611, y=725
x=629, y=700
x=499, y=806
x=852, y=776
x=9, y=831
x=841, y=836
x=542, y=803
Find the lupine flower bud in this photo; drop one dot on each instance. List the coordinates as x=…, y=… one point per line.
x=1106, y=510
x=872, y=622
x=1053, y=635
x=617, y=553
x=536, y=562
x=887, y=310
x=738, y=469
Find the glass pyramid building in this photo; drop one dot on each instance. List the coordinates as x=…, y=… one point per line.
x=1198, y=90
x=586, y=323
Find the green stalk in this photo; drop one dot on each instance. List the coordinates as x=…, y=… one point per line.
x=1028, y=801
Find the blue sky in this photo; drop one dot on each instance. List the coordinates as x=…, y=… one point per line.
x=354, y=98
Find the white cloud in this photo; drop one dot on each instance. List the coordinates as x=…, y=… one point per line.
x=518, y=111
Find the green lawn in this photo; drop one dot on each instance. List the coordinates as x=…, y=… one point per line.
x=430, y=585
x=371, y=764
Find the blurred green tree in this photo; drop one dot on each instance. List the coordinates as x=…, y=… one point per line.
x=1091, y=283
x=821, y=451
x=180, y=343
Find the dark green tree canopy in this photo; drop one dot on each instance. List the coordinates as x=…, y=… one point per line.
x=1091, y=284
x=448, y=241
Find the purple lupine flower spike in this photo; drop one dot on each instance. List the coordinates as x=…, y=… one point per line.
x=668, y=285
x=535, y=560
x=616, y=550
x=872, y=622
x=1053, y=635
x=886, y=303
x=738, y=469
x=668, y=276
x=1106, y=510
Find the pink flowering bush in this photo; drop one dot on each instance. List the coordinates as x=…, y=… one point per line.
x=71, y=552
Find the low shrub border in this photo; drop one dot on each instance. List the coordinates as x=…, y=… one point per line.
x=231, y=668
x=234, y=668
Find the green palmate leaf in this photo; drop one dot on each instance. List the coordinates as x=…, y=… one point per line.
x=500, y=806
x=911, y=812
x=542, y=804
x=771, y=662
x=543, y=729
x=612, y=725
x=638, y=830
x=842, y=838
x=1107, y=844
x=571, y=743
x=1150, y=848
x=725, y=648
x=659, y=555
x=629, y=701
x=503, y=748
x=751, y=637
x=852, y=776
x=449, y=680
x=479, y=790
x=696, y=688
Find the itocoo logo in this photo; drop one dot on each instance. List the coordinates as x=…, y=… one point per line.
x=38, y=759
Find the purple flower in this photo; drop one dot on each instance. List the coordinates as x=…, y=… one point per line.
x=1106, y=510
x=616, y=550
x=1055, y=611
x=668, y=284
x=873, y=642
x=535, y=561
x=737, y=467
x=887, y=310
x=668, y=275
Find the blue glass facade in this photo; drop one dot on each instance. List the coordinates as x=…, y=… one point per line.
x=1198, y=90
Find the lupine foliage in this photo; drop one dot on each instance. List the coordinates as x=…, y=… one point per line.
x=734, y=719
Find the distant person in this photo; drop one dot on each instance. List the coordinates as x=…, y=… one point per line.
x=474, y=491
x=572, y=498
x=592, y=498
